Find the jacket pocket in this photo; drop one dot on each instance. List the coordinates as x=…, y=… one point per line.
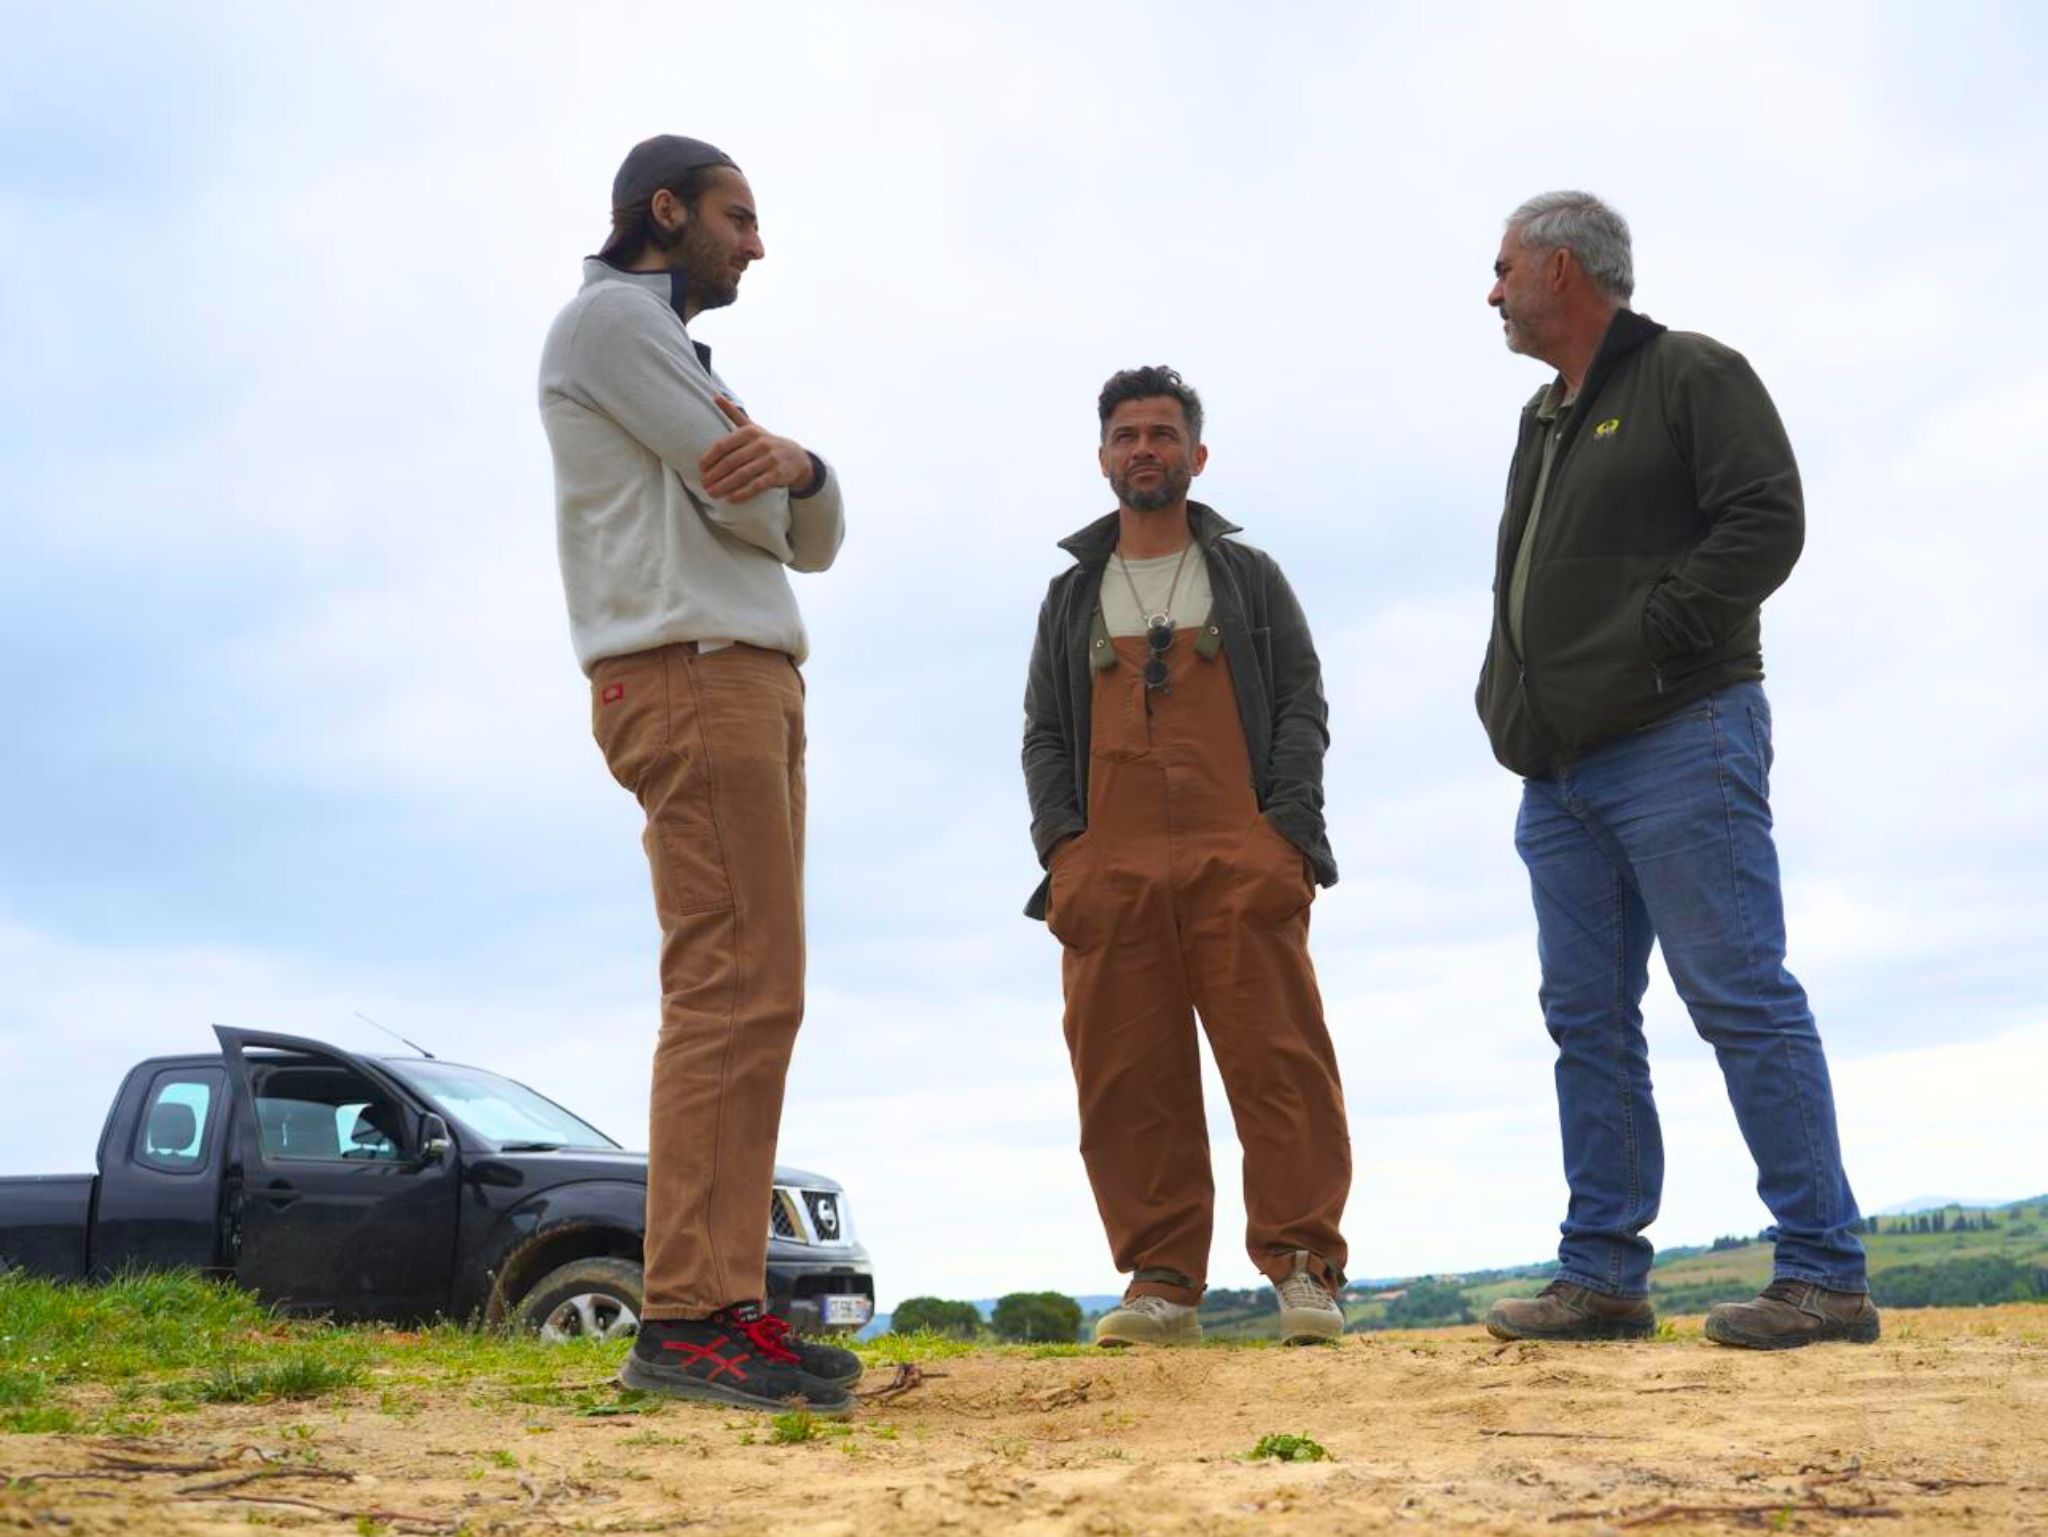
x=1589, y=666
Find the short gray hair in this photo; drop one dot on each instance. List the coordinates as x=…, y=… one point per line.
x=1580, y=223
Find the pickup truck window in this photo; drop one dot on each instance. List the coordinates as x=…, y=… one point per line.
x=172, y=1136
x=498, y=1108
x=325, y=1112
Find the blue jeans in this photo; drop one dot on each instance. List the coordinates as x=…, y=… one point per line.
x=1665, y=834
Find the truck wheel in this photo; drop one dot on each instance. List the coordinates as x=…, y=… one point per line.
x=584, y=1299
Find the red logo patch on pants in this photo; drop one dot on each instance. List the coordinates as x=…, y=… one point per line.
x=613, y=693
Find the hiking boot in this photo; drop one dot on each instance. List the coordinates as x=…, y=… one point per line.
x=1149, y=1321
x=1562, y=1311
x=1790, y=1313
x=738, y=1356
x=1309, y=1313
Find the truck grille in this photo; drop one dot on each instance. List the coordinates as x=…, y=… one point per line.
x=809, y=1217
x=826, y=1221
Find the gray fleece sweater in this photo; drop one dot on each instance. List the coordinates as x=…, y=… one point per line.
x=629, y=403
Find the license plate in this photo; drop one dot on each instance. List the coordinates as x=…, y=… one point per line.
x=848, y=1310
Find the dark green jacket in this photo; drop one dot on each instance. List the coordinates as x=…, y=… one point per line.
x=1673, y=511
x=1273, y=670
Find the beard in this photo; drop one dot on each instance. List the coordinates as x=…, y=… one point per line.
x=713, y=283
x=694, y=253
x=1174, y=481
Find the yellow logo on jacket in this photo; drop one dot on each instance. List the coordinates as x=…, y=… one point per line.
x=1608, y=428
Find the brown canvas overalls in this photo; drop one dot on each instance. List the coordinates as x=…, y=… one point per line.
x=1181, y=898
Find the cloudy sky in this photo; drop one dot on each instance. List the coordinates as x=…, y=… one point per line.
x=292, y=728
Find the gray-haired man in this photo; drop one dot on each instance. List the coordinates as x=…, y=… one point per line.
x=1652, y=505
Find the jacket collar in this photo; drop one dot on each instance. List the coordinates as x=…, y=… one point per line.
x=669, y=287
x=1626, y=332
x=1091, y=545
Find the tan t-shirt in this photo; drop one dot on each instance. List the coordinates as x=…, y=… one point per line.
x=1186, y=601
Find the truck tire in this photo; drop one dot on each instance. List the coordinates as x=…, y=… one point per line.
x=586, y=1298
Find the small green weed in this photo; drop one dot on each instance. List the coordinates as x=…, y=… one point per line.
x=294, y=1378
x=41, y=1420
x=651, y=1438
x=125, y=1425
x=794, y=1427
x=1286, y=1448
x=19, y=1390
x=894, y=1349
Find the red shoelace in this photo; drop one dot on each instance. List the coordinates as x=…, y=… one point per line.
x=768, y=1334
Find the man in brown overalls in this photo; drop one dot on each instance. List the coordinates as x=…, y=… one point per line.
x=1173, y=750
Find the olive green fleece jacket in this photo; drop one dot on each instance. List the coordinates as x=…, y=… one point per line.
x=1672, y=511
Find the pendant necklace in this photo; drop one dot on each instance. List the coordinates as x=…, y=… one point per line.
x=1164, y=618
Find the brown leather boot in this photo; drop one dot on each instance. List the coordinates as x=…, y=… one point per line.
x=1562, y=1311
x=1792, y=1313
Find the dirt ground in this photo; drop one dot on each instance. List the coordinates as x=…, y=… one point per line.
x=1942, y=1428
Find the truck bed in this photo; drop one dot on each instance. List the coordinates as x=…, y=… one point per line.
x=45, y=1220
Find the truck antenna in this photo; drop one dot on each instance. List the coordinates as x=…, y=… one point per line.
x=396, y=1036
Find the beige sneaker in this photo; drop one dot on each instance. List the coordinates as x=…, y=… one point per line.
x=1309, y=1315
x=1148, y=1321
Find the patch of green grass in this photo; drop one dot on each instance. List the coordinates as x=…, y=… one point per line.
x=18, y=1390
x=793, y=1428
x=302, y=1376
x=894, y=1349
x=122, y=1424
x=1287, y=1448
x=133, y=1325
x=42, y=1420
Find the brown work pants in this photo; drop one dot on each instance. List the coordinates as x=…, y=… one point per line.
x=1181, y=898
x=712, y=746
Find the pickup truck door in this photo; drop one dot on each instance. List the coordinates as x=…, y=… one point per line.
x=336, y=1199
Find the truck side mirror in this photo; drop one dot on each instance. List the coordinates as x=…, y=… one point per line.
x=435, y=1142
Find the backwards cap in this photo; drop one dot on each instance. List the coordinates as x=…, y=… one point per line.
x=659, y=162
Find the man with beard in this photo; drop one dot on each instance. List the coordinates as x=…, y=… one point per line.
x=678, y=520
x=1174, y=731
x=1653, y=504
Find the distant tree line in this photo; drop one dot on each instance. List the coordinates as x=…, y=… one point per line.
x=1020, y=1317
x=1429, y=1304
x=1977, y=1281
x=935, y=1315
x=1944, y=1221
x=1932, y=1222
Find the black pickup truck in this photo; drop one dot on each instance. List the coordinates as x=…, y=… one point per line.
x=396, y=1188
